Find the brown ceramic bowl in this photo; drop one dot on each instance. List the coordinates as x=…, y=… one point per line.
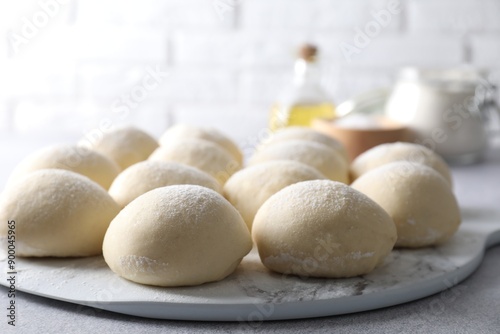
x=359, y=139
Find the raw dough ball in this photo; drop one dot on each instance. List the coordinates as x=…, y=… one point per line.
x=57, y=213
x=316, y=155
x=199, y=153
x=386, y=153
x=249, y=188
x=74, y=158
x=125, y=145
x=176, y=235
x=418, y=199
x=183, y=131
x=303, y=133
x=148, y=175
x=322, y=228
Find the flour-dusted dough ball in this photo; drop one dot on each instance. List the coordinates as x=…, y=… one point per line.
x=148, y=175
x=184, y=131
x=177, y=235
x=322, y=228
x=316, y=155
x=249, y=188
x=57, y=213
x=303, y=133
x=386, y=153
x=125, y=145
x=81, y=160
x=199, y=153
x=418, y=199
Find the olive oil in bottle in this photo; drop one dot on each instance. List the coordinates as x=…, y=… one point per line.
x=304, y=99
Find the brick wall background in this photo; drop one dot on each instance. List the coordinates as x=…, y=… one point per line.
x=67, y=66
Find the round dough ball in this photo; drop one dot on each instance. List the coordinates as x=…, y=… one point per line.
x=125, y=145
x=304, y=133
x=386, y=153
x=183, y=131
x=81, y=160
x=249, y=188
x=199, y=153
x=322, y=228
x=418, y=199
x=176, y=235
x=316, y=155
x=144, y=176
x=57, y=213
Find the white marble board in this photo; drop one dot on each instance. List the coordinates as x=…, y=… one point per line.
x=253, y=293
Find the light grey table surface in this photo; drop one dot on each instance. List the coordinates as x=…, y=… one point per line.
x=473, y=306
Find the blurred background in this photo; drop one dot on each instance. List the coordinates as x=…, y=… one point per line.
x=69, y=66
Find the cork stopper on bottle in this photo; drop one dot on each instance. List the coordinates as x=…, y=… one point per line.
x=308, y=52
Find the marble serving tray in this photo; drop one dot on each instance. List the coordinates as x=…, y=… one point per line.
x=253, y=293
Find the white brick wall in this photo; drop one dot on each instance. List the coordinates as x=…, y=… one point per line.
x=241, y=117
x=453, y=16
x=38, y=78
x=329, y=15
x=159, y=14
x=486, y=50
x=225, y=59
x=399, y=50
x=117, y=44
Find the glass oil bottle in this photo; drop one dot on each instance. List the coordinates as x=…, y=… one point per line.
x=304, y=99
